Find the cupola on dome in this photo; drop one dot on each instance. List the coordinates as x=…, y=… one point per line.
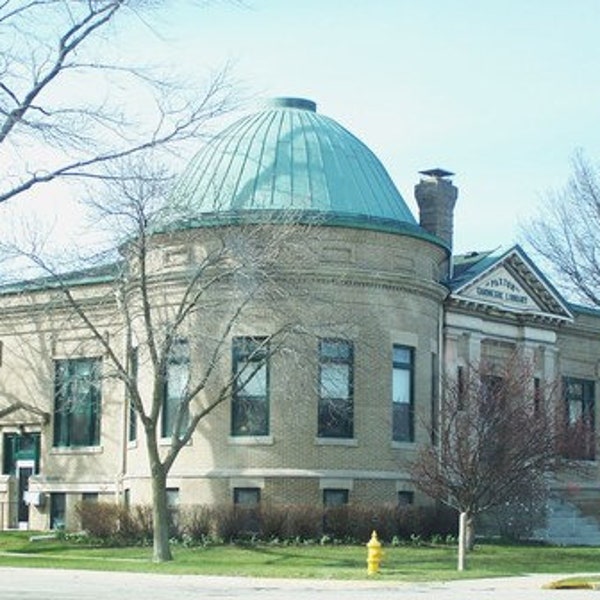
x=287, y=157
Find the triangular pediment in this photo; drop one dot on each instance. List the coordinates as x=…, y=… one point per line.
x=21, y=413
x=499, y=286
x=513, y=284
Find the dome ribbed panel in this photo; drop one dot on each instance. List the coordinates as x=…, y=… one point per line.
x=287, y=158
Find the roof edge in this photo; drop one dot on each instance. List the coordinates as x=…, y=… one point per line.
x=303, y=217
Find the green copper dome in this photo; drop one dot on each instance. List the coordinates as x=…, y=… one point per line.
x=288, y=157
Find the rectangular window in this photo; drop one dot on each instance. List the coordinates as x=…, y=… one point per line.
x=406, y=498
x=9, y=462
x=461, y=388
x=246, y=497
x=173, y=498
x=16, y=447
x=335, y=513
x=492, y=397
x=173, y=509
x=538, y=398
x=247, y=504
x=335, y=497
x=250, y=402
x=175, y=416
x=580, y=438
x=402, y=395
x=493, y=388
x=77, y=400
x=336, y=389
x=133, y=368
x=58, y=503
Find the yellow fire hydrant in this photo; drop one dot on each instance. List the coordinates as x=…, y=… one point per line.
x=374, y=554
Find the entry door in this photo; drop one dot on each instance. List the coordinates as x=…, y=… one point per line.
x=25, y=468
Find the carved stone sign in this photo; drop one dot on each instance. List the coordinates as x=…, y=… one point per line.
x=500, y=287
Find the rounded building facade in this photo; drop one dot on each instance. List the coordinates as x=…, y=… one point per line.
x=311, y=337
x=347, y=401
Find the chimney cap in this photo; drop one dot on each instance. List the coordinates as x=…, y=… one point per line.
x=437, y=173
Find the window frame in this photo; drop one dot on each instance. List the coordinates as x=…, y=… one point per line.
x=580, y=442
x=65, y=380
x=248, y=513
x=341, y=495
x=132, y=428
x=13, y=450
x=58, y=511
x=403, y=433
x=238, y=492
x=435, y=399
x=538, y=396
x=171, y=402
x=405, y=498
x=250, y=353
x=343, y=405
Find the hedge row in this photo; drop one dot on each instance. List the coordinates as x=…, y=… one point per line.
x=115, y=524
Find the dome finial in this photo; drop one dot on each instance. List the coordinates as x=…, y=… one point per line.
x=290, y=102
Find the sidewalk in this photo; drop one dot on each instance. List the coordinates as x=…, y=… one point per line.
x=58, y=584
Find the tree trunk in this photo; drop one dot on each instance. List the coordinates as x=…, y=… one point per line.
x=462, y=534
x=160, y=515
x=470, y=533
x=466, y=538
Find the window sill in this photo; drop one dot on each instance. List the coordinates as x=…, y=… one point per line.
x=351, y=442
x=168, y=442
x=77, y=450
x=250, y=440
x=581, y=462
x=403, y=445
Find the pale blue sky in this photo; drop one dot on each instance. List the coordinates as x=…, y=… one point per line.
x=500, y=92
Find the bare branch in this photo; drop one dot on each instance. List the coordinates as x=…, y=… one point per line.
x=496, y=446
x=566, y=234
x=56, y=45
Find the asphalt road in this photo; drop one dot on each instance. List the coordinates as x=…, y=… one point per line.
x=49, y=584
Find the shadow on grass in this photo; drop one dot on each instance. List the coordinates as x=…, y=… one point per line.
x=310, y=556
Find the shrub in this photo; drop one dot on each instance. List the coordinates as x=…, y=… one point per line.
x=273, y=522
x=233, y=523
x=136, y=523
x=99, y=519
x=336, y=522
x=302, y=523
x=354, y=523
x=197, y=523
x=364, y=519
x=115, y=524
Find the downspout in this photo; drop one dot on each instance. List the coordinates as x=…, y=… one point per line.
x=119, y=492
x=440, y=368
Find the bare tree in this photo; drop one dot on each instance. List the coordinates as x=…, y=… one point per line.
x=69, y=104
x=166, y=310
x=496, y=441
x=566, y=233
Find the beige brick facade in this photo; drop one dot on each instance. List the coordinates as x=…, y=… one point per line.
x=373, y=279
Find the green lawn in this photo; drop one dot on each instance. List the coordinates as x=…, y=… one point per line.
x=406, y=563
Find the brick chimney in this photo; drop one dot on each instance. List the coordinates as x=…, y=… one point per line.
x=436, y=197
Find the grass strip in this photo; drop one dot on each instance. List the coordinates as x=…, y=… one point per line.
x=403, y=563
